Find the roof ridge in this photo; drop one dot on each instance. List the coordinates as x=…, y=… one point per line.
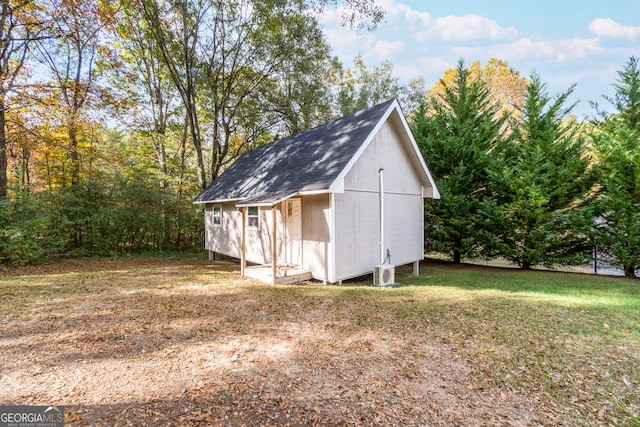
x=331, y=122
x=305, y=161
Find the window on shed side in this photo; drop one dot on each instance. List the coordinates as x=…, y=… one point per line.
x=217, y=216
x=253, y=217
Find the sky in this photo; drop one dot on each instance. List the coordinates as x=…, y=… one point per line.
x=564, y=41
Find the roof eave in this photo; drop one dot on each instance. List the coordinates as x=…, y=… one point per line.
x=267, y=202
x=208, y=202
x=338, y=183
x=429, y=181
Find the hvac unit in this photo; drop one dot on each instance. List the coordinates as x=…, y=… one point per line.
x=383, y=275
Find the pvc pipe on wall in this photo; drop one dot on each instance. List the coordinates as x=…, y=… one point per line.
x=381, y=176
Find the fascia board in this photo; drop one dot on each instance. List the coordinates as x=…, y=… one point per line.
x=337, y=186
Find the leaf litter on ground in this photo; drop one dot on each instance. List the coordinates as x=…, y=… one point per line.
x=183, y=342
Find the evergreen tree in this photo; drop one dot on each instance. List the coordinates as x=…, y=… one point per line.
x=617, y=147
x=457, y=131
x=544, y=184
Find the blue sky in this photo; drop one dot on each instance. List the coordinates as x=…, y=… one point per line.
x=566, y=42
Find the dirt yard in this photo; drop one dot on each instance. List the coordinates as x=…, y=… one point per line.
x=184, y=343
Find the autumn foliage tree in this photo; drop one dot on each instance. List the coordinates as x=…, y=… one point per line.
x=20, y=26
x=69, y=56
x=506, y=86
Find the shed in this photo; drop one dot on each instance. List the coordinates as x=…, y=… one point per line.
x=330, y=202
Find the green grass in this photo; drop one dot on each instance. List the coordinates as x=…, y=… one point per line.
x=570, y=342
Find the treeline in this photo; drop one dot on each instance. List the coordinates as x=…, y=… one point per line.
x=114, y=115
x=525, y=181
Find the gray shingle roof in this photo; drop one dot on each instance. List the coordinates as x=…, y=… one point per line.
x=307, y=161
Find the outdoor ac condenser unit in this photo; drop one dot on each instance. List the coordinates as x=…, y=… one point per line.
x=384, y=275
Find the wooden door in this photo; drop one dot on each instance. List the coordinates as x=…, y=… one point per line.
x=293, y=231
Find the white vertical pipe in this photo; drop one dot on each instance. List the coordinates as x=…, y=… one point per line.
x=381, y=176
x=274, y=256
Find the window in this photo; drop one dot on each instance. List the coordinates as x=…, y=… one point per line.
x=253, y=217
x=217, y=216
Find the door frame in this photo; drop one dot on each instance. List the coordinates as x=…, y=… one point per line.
x=293, y=231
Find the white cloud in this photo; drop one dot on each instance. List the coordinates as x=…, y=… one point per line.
x=400, y=12
x=561, y=50
x=576, y=47
x=396, y=15
x=346, y=43
x=467, y=27
x=340, y=37
x=386, y=49
x=434, y=65
x=406, y=72
x=607, y=27
x=327, y=15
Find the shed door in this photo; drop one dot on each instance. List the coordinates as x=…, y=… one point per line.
x=293, y=231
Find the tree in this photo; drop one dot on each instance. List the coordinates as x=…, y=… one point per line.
x=363, y=88
x=301, y=95
x=156, y=112
x=175, y=29
x=616, y=145
x=506, y=86
x=356, y=14
x=145, y=79
x=19, y=28
x=69, y=56
x=545, y=183
x=224, y=59
x=458, y=132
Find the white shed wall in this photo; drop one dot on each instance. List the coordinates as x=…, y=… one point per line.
x=358, y=208
x=386, y=151
x=316, y=235
x=227, y=240
x=357, y=233
x=404, y=223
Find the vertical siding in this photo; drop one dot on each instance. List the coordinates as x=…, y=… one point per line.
x=385, y=151
x=228, y=238
x=357, y=233
x=316, y=235
x=404, y=235
x=208, y=222
x=358, y=208
x=259, y=241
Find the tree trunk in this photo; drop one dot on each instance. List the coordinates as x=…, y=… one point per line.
x=3, y=153
x=456, y=257
x=75, y=158
x=526, y=265
x=630, y=271
x=197, y=144
x=25, y=180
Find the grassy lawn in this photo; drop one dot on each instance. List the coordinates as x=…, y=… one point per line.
x=182, y=342
x=571, y=340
